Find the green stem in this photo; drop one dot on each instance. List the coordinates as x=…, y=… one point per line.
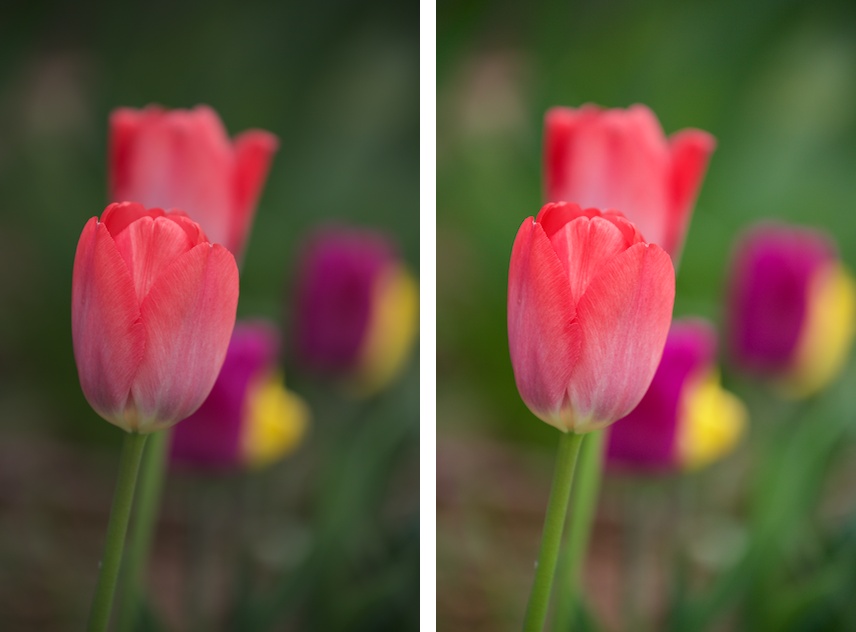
x=152, y=471
x=123, y=498
x=551, y=539
x=583, y=504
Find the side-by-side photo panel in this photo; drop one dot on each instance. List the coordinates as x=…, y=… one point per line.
x=645, y=317
x=209, y=404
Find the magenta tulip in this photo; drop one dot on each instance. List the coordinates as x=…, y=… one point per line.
x=792, y=307
x=355, y=308
x=686, y=420
x=589, y=308
x=184, y=159
x=152, y=310
x=249, y=419
x=621, y=159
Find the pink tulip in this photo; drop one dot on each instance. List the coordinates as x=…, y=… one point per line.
x=184, y=159
x=589, y=308
x=152, y=310
x=621, y=159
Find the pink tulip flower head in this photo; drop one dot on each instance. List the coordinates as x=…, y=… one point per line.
x=589, y=308
x=249, y=419
x=355, y=308
x=621, y=159
x=184, y=159
x=685, y=420
x=152, y=310
x=791, y=307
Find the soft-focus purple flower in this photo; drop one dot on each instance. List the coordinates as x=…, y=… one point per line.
x=354, y=307
x=685, y=420
x=249, y=418
x=791, y=307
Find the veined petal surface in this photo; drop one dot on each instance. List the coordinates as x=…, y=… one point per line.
x=624, y=319
x=189, y=314
x=542, y=333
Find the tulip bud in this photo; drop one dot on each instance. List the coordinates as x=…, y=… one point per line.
x=685, y=420
x=621, y=159
x=792, y=307
x=249, y=419
x=589, y=307
x=355, y=308
x=184, y=159
x=152, y=309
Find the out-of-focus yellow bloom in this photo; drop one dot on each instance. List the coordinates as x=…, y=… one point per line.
x=827, y=336
x=391, y=330
x=714, y=421
x=276, y=421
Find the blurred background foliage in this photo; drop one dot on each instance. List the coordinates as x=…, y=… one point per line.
x=337, y=82
x=775, y=82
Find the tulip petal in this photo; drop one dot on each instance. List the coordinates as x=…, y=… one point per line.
x=624, y=317
x=542, y=337
x=148, y=247
x=254, y=151
x=211, y=437
x=125, y=125
x=189, y=314
x=691, y=150
x=645, y=439
x=108, y=335
x=610, y=159
x=117, y=217
x=179, y=159
x=583, y=246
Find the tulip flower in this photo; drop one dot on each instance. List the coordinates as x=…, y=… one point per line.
x=184, y=159
x=685, y=420
x=249, y=419
x=355, y=308
x=589, y=308
x=152, y=310
x=621, y=159
x=791, y=307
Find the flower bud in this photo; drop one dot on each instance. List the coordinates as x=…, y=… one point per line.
x=152, y=310
x=184, y=159
x=589, y=307
x=621, y=159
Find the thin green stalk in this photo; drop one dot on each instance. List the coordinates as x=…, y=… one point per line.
x=583, y=504
x=152, y=473
x=551, y=539
x=123, y=499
